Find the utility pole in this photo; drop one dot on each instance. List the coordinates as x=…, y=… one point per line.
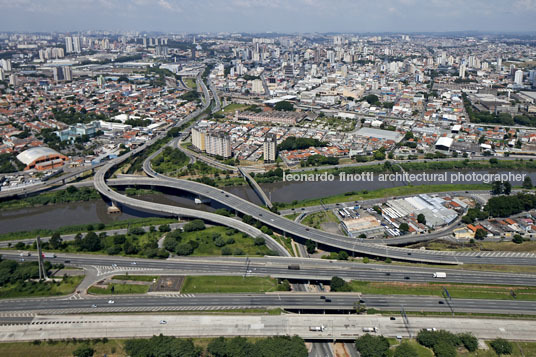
x=42, y=271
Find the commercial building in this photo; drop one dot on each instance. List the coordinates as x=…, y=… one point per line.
x=62, y=73
x=270, y=148
x=13, y=80
x=78, y=130
x=41, y=158
x=257, y=87
x=69, y=44
x=518, y=78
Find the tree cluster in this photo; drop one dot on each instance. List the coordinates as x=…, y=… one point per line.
x=372, y=346
x=339, y=285
x=444, y=343
x=294, y=143
x=269, y=347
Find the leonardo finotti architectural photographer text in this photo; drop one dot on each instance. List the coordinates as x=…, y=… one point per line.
x=445, y=177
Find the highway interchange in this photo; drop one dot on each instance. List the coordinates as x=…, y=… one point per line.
x=311, y=270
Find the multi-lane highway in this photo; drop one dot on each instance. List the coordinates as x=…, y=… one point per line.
x=310, y=269
x=336, y=327
x=288, y=301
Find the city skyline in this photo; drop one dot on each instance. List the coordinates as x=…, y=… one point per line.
x=301, y=16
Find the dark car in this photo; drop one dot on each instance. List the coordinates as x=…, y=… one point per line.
x=406, y=277
x=392, y=318
x=328, y=300
x=322, y=297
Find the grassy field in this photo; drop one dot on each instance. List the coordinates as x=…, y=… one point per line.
x=315, y=220
x=149, y=278
x=190, y=82
x=285, y=242
x=243, y=244
x=292, y=216
x=421, y=350
x=521, y=349
x=44, y=289
x=460, y=291
x=480, y=246
x=112, y=348
x=385, y=192
x=231, y=108
x=119, y=289
x=228, y=284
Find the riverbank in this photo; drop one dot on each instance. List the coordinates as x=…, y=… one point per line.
x=383, y=193
x=74, y=229
x=69, y=195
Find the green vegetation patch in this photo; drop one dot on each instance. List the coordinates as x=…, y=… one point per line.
x=112, y=289
x=202, y=241
x=149, y=278
x=169, y=160
x=21, y=280
x=71, y=194
x=460, y=291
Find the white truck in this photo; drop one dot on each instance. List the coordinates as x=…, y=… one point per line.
x=317, y=328
x=440, y=275
x=370, y=329
x=49, y=255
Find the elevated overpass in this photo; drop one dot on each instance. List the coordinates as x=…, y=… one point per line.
x=292, y=228
x=256, y=187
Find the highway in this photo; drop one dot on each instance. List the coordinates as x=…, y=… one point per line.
x=287, y=301
x=337, y=327
x=46, y=185
x=310, y=269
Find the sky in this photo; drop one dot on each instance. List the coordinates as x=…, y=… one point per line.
x=257, y=16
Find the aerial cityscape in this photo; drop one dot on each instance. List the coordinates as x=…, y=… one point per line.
x=242, y=178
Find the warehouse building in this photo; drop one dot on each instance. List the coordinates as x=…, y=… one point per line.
x=444, y=143
x=433, y=209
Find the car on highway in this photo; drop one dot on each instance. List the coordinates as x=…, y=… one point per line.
x=441, y=302
x=163, y=322
x=327, y=300
x=407, y=277
x=111, y=302
x=93, y=306
x=133, y=263
x=114, y=265
x=322, y=297
x=392, y=318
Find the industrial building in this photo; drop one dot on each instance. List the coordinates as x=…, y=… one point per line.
x=41, y=158
x=444, y=143
x=433, y=209
x=367, y=225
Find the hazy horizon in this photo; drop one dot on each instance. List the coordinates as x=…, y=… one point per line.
x=256, y=16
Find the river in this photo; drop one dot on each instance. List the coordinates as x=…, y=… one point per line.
x=55, y=216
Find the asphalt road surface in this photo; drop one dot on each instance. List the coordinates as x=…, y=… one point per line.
x=339, y=327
